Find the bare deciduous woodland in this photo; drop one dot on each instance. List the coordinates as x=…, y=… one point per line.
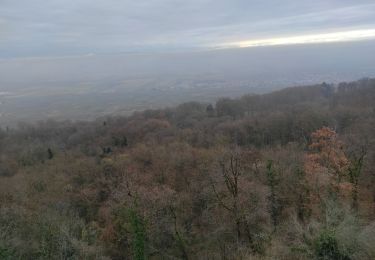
x=284, y=175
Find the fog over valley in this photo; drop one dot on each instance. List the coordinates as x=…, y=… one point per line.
x=93, y=85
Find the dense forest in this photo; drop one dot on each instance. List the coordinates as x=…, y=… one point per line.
x=284, y=175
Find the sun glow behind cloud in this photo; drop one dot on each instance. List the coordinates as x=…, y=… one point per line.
x=343, y=36
x=77, y=27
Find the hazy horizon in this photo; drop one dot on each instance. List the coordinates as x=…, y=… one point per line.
x=84, y=59
x=87, y=87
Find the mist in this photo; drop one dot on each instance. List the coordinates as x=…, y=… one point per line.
x=88, y=86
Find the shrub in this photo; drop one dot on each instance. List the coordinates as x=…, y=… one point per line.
x=326, y=246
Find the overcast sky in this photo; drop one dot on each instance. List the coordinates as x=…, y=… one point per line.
x=30, y=28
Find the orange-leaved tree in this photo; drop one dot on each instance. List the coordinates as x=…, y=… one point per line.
x=326, y=165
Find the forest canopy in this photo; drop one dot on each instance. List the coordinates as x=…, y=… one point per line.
x=284, y=175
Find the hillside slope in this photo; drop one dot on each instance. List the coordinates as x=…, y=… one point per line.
x=286, y=175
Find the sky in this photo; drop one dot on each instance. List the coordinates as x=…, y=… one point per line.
x=38, y=28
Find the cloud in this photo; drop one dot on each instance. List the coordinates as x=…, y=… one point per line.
x=2, y=29
x=68, y=27
x=344, y=36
